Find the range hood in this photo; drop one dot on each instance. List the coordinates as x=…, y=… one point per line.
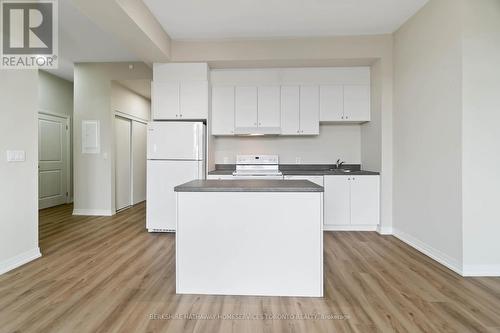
x=257, y=131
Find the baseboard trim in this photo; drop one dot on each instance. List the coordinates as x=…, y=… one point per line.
x=384, y=230
x=429, y=251
x=92, y=212
x=19, y=260
x=350, y=228
x=481, y=270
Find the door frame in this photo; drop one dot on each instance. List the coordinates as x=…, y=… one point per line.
x=69, y=197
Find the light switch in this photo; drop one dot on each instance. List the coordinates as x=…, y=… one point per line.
x=16, y=156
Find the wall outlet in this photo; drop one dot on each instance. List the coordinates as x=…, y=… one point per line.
x=16, y=156
x=298, y=160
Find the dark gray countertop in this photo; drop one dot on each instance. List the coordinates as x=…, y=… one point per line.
x=249, y=186
x=302, y=170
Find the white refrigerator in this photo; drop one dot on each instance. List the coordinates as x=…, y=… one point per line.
x=176, y=155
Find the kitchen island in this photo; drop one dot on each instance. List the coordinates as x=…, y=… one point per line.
x=250, y=237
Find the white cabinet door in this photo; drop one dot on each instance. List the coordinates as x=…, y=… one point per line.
x=309, y=110
x=269, y=106
x=331, y=106
x=315, y=179
x=246, y=107
x=223, y=110
x=365, y=202
x=194, y=100
x=357, y=102
x=166, y=102
x=337, y=201
x=290, y=109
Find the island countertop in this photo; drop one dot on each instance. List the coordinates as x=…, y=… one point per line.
x=249, y=186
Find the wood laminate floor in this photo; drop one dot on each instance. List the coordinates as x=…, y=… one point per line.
x=107, y=274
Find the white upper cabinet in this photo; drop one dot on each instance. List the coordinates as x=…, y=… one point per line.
x=194, y=100
x=357, y=102
x=268, y=106
x=245, y=107
x=166, y=101
x=290, y=106
x=300, y=110
x=331, y=106
x=309, y=110
x=223, y=110
x=345, y=103
x=290, y=101
x=180, y=91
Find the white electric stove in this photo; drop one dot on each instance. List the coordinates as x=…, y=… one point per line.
x=257, y=167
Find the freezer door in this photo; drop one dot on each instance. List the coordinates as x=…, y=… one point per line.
x=162, y=177
x=176, y=140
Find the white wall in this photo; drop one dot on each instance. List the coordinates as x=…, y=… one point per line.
x=55, y=96
x=94, y=173
x=128, y=102
x=19, y=181
x=481, y=137
x=427, y=131
x=334, y=141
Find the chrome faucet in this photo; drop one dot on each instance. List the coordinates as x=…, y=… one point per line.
x=339, y=164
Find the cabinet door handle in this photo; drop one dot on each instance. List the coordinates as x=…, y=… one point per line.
x=180, y=115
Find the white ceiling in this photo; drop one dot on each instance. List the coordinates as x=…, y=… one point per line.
x=213, y=19
x=80, y=40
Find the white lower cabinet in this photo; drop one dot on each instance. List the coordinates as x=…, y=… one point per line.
x=351, y=202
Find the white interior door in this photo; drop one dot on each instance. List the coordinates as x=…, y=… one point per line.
x=123, y=175
x=52, y=161
x=139, y=159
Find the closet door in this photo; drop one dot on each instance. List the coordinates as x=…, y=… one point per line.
x=123, y=175
x=139, y=159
